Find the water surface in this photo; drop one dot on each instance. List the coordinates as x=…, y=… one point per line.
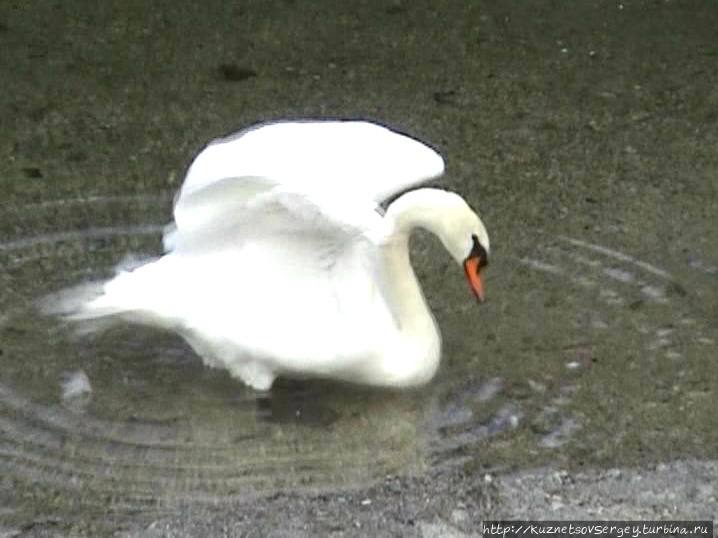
x=579, y=350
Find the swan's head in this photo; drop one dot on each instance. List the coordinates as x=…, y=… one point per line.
x=465, y=237
x=459, y=228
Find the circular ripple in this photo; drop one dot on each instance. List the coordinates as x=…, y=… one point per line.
x=638, y=296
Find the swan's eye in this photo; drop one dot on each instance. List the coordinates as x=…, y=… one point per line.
x=478, y=251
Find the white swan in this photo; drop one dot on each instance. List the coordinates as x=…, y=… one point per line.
x=280, y=261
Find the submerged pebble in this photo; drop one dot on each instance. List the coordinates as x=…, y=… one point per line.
x=76, y=389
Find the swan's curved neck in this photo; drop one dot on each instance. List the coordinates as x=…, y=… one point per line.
x=402, y=287
x=414, y=357
x=414, y=209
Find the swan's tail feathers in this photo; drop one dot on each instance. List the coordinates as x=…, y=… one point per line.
x=96, y=305
x=70, y=302
x=83, y=304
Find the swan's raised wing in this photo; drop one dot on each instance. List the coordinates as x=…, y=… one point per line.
x=349, y=158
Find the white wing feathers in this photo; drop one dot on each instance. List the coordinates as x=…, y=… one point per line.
x=352, y=157
x=212, y=210
x=235, y=211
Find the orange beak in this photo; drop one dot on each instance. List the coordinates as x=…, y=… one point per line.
x=472, y=268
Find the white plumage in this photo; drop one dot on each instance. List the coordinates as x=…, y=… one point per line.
x=281, y=262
